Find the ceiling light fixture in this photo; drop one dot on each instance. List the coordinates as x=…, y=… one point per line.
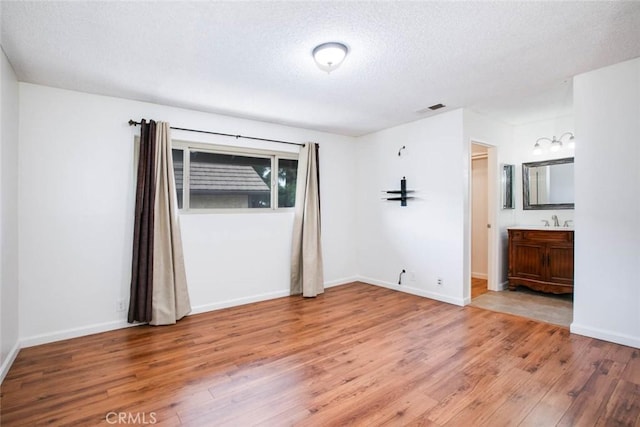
x=329, y=56
x=556, y=143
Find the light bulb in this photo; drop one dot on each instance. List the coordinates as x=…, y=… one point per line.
x=555, y=145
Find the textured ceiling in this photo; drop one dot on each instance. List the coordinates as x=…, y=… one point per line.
x=253, y=59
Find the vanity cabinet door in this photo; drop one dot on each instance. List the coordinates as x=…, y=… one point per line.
x=560, y=263
x=528, y=260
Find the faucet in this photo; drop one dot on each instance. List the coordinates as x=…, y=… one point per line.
x=556, y=222
x=546, y=222
x=566, y=223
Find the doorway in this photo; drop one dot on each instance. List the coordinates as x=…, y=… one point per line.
x=484, y=285
x=480, y=223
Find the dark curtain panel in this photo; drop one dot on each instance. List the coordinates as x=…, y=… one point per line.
x=142, y=263
x=317, y=150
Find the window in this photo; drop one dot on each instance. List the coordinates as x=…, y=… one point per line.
x=287, y=178
x=214, y=177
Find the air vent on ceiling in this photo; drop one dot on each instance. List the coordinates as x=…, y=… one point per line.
x=432, y=108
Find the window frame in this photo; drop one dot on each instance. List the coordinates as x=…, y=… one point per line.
x=188, y=146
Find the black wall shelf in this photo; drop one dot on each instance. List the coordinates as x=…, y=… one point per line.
x=402, y=198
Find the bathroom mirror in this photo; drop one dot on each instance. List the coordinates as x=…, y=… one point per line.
x=508, y=175
x=548, y=184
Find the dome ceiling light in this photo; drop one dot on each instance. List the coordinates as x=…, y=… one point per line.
x=329, y=56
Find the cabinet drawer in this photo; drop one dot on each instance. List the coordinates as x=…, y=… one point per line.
x=542, y=235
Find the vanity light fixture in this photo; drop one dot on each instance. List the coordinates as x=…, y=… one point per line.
x=556, y=143
x=330, y=55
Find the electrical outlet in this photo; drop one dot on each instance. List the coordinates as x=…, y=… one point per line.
x=120, y=305
x=439, y=282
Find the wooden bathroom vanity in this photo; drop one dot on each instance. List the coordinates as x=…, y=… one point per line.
x=541, y=259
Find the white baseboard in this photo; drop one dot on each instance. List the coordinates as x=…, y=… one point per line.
x=6, y=363
x=120, y=324
x=479, y=275
x=261, y=297
x=76, y=332
x=503, y=286
x=605, y=335
x=414, y=291
x=238, y=301
x=340, y=282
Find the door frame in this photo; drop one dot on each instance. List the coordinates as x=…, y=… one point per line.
x=493, y=238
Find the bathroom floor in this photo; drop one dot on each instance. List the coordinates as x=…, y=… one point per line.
x=550, y=308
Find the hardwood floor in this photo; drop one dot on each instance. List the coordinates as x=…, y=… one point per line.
x=478, y=287
x=357, y=355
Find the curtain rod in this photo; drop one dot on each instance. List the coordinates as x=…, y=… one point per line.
x=134, y=123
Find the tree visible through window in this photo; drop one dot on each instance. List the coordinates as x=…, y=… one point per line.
x=287, y=178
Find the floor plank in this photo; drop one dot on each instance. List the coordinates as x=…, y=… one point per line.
x=478, y=287
x=357, y=355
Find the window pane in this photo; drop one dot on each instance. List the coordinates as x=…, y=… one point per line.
x=220, y=181
x=178, y=167
x=287, y=174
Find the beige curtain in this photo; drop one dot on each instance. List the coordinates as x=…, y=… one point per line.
x=170, y=297
x=306, y=260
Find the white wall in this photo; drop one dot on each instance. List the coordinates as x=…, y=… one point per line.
x=607, y=175
x=430, y=238
x=76, y=201
x=497, y=136
x=75, y=193
x=514, y=145
x=521, y=151
x=426, y=237
x=9, y=331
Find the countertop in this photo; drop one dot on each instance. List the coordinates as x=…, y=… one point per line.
x=539, y=227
